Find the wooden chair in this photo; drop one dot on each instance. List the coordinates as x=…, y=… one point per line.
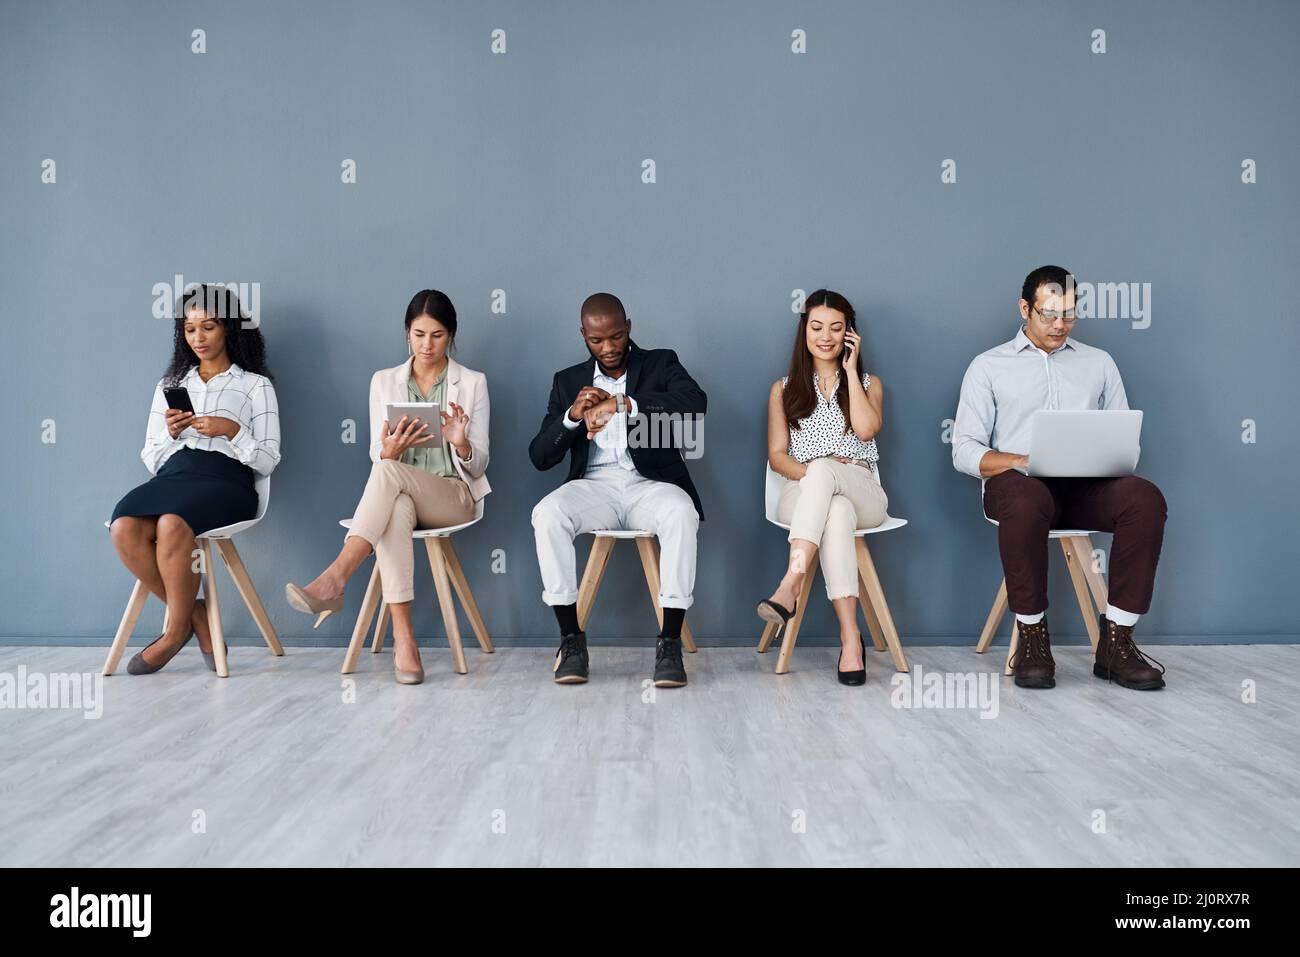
x=447, y=574
x=1077, y=546
x=648, y=548
x=871, y=596
x=225, y=546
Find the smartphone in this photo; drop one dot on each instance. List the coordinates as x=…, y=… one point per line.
x=848, y=344
x=178, y=399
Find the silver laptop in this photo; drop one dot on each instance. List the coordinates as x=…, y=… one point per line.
x=1091, y=443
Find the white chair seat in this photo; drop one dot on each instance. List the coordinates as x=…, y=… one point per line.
x=888, y=525
x=437, y=532
x=1060, y=532
x=773, y=483
x=622, y=533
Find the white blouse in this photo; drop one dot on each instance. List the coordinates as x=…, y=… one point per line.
x=243, y=397
x=822, y=431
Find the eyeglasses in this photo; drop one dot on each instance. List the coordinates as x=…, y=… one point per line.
x=1051, y=315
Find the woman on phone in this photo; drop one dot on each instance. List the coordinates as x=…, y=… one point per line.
x=415, y=481
x=822, y=419
x=204, y=448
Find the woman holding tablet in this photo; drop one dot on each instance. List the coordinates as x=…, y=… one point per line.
x=416, y=480
x=214, y=423
x=822, y=420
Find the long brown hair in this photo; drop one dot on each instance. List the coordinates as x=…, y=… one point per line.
x=799, y=399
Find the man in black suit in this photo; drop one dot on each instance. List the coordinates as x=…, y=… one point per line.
x=620, y=417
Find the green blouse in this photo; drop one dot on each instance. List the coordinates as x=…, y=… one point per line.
x=436, y=456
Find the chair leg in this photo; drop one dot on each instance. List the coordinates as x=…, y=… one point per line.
x=688, y=640
x=364, y=616
x=1081, y=592
x=869, y=612
x=867, y=569
x=244, y=585
x=1013, y=644
x=134, y=605
x=1082, y=545
x=381, y=629
x=442, y=583
x=765, y=639
x=461, y=584
x=214, y=608
x=996, y=614
x=597, y=560
x=791, y=633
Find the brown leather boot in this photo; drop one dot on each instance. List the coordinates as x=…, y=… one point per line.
x=1032, y=664
x=1121, y=661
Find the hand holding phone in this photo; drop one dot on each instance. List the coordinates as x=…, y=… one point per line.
x=852, y=342
x=178, y=422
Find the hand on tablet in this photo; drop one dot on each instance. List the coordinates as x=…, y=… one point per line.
x=407, y=433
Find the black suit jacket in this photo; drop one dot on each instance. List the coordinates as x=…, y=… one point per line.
x=658, y=382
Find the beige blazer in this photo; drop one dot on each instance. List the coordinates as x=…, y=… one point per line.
x=466, y=388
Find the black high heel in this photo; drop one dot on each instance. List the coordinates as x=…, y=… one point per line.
x=778, y=614
x=854, y=677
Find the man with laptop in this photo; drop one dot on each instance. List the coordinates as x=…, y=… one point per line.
x=1043, y=421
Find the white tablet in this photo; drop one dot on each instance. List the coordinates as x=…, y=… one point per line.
x=1087, y=443
x=426, y=412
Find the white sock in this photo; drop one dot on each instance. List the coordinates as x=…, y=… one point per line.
x=1121, y=617
x=1030, y=619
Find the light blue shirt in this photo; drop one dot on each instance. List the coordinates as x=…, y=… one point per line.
x=609, y=447
x=1005, y=386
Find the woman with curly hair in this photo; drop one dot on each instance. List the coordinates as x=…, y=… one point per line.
x=203, y=462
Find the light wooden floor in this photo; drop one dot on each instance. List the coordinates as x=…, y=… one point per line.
x=284, y=772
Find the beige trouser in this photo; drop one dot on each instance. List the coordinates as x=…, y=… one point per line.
x=398, y=499
x=825, y=507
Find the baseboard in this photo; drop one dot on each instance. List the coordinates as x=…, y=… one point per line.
x=747, y=641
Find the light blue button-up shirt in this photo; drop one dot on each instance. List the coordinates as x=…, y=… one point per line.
x=1005, y=386
x=609, y=448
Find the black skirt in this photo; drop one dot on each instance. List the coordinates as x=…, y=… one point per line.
x=207, y=489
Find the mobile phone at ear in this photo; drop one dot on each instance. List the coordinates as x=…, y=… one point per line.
x=178, y=399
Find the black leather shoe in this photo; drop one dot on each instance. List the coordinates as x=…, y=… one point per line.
x=853, y=677
x=571, y=660
x=670, y=672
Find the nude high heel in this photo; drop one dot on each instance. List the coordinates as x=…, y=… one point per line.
x=299, y=600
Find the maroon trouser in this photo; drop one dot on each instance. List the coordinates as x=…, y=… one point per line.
x=1027, y=508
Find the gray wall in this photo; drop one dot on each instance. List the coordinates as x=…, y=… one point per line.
x=775, y=171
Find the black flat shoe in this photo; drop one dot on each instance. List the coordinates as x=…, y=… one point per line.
x=853, y=677
x=139, y=666
x=778, y=614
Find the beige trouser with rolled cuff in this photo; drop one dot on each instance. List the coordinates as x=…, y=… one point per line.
x=825, y=507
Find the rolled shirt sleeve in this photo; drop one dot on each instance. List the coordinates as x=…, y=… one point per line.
x=972, y=428
x=259, y=447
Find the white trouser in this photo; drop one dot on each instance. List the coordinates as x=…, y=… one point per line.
x=616, y=498
x=825, y=507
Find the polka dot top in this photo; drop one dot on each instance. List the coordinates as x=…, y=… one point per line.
x=822, y=432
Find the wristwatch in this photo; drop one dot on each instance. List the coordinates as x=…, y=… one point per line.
x=620, y=403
